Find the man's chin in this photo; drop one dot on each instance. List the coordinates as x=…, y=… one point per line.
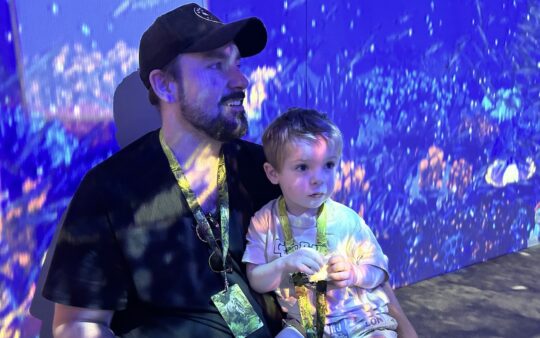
x=230, y=125
x=225, y=135
x=234, y=110
x=240, y=127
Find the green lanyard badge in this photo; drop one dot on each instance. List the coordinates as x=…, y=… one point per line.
x=300, y=280
x=196, y=209
x=233, y=305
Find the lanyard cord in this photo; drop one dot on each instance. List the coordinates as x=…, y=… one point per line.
x=301, y=290
x=223, y=201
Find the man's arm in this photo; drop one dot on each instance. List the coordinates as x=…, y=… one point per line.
x=70, y=321
x=405, y=328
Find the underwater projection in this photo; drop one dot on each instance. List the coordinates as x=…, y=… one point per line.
x=438, y=101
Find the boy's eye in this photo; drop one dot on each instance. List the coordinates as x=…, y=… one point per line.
x=330, y=165
x=301, y=167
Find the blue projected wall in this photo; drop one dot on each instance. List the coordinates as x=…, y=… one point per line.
x=438, y=101
x=439, y=104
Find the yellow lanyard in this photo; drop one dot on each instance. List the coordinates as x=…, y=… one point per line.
x=223, y=196
x=301, y=290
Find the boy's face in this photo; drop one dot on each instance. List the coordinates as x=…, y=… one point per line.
x=307, y=175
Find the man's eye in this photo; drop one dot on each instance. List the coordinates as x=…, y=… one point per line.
x=217, y=65
x=330, y=165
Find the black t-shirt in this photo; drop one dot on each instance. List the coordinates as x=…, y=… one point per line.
x=128, y=244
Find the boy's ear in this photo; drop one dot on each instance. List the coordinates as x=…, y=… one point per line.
x=271, y=173
x=163, y=86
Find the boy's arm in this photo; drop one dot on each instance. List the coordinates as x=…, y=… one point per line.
x=344, y=273
x=267, y=277
x=264, y=277
x=359, y=259
x=405, y=328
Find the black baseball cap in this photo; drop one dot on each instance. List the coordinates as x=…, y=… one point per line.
x=191, y=29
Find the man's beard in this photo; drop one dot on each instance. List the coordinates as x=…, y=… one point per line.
x=218, y=127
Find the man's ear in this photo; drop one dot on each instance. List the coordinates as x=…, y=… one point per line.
x=163, y=85
x=271, y=173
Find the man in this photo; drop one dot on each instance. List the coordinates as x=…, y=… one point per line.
x=141, y=248
x=131, y=255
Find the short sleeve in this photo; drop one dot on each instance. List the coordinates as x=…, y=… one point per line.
x=368, y=250
x=87, y=269
x=258, y=236
x=353, y=238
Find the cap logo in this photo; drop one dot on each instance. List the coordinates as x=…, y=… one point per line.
x=205, y=15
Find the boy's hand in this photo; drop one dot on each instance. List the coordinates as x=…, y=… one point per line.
x=306, y=260
x=340, y=271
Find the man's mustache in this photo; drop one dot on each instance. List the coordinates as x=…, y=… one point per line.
x=233, y=96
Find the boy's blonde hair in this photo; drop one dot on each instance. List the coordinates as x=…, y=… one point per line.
x=298, y=124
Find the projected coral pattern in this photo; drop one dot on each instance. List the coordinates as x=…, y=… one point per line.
x=438, y=101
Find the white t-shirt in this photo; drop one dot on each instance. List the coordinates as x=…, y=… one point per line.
x=346, y=233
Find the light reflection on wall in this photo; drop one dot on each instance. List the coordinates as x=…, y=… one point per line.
x=82, y=83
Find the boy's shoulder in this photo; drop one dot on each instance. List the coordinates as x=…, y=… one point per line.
x=335, y=211
x=267, y=210
x=339, y=210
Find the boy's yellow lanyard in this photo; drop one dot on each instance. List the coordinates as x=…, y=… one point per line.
x=301, y=290
x=196, y=209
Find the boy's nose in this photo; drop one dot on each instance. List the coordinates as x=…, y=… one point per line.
x=315, y=179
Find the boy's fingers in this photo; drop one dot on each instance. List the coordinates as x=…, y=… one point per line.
x=338, y=267
x=335, y=259
x=340, y=284
x=339, y=276
x=314, y=264
x=308, y=269
x=306, y=260
x=314, y=256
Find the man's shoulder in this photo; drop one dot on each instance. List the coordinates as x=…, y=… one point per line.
x=246, y=144
x=245, y=162
x=245, y=149
x=136, y=158
x=135, y=152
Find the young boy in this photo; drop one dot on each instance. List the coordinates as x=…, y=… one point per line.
x=320, y=258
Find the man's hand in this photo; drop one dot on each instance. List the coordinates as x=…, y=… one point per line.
x=70, y=321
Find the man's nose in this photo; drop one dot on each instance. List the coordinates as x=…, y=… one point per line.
x=237, y=79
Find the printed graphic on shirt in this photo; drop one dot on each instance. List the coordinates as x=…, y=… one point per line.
x=280, y=249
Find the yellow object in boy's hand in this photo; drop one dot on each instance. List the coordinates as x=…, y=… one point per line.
x=322, y=274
